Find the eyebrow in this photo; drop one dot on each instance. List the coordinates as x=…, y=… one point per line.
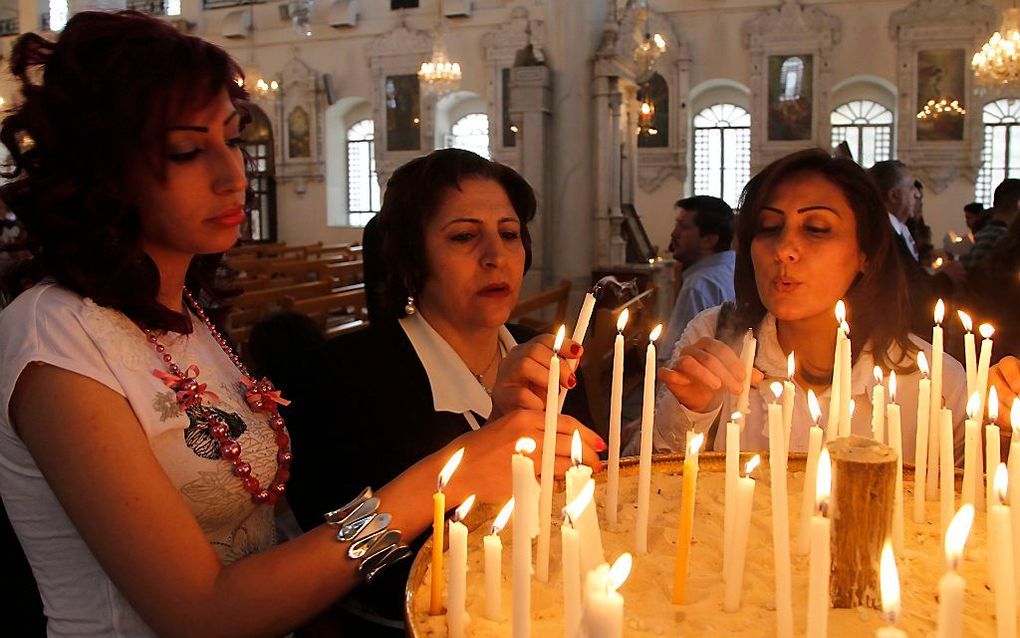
x=201, y=129
x=475, y=220
x=805, y=209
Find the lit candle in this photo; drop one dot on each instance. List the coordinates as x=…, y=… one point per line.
x=456, y=613
x=807, y=503
x=587, y=523
x=438, y=526
x=878, y=407
x=970, y=352
x=645, y=463
x=683, y=544
x=572, y=552
x=972, y=438
x=548, y=460
x=921, y=441
x=890, y=582
x=896, y=442
x=493, y=551
x=603, y=615
x=835, y=394
x=935, y=406
x=952, y=585
x=1014, y=484
x=526, y=527
x=818, y=576
x=992, y=459
x=984, y=361
x=615, y=411
x=947, y=462
x=744, y=498
x=789, y=394
x=747, y=352
x=780, y=518
x=730, y=494
x=580, y=329
x=846, y=404
x=1000, y=548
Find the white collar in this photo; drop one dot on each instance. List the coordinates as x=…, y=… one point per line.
x=454, y=388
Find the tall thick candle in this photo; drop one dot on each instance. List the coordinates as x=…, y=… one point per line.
x=580, y=329
x=747, y=352
x=1000, y=546
x=789, y=394
x=744, y=498
x=572, y=552
x=615, y=411
x=969, y=351
x=730, y=494
x=780, y=519
x=821, y=553
x=808, y=496
x=952, y=585
x=587, y=524
x=683, y=544
x=526, y=527
x=603, y=611
x=972, y=438
x=896, y=442
x=835, y=394
x=1014, y=484
x=947, y=462
x=889, y=580
x=438, y=527
x=845, y=402
x=493, y=551
x=984, y=361
x=921, y=441
x=456, y=613
x=935, y=405
x=645, y=462
x=548, y=461
x=878, y=407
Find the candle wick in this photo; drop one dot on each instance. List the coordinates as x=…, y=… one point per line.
x=823, y=508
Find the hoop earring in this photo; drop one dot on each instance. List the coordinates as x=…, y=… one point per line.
x=409, y=309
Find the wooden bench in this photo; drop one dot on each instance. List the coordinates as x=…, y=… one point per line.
x=556, y=297
x=246, y=251
x=271, y=297
x=345, y=273
x=298, y=269
x=324, y=251
x=336, y=313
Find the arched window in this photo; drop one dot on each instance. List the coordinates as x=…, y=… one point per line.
x=56, y=17
x=258, y=144
x=792, y=78
x=867, y=127
x=362, y=181
x=471, y=133
x=1000, y=154
x=722, y=151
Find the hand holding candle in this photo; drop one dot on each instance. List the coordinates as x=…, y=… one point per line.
x=580, y=329
x=438, y=526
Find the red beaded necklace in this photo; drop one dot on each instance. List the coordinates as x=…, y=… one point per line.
x=260, y=396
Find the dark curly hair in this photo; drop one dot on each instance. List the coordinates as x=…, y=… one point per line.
x=412, y=198
x=95, y=103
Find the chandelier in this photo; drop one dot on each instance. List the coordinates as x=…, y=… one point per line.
x=998, y=61
x=942, y=107
x=438, y=75
x=647, y=53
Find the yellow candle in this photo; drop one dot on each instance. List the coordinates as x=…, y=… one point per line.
x=438, y=524
x=683, y=546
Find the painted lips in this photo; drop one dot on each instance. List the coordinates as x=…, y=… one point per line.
x=230, y=217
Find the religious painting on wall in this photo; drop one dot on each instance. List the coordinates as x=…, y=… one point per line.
x=299, y=133
x=509, y=127
x=790, y=97
x=653, y=119
x=403, y=113
x=940, y=93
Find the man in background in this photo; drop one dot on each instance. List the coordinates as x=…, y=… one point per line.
x=1005, y=202
x=975, y=216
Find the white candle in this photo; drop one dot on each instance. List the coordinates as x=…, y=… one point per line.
x=984, y=361
x=780, y=518
x=845, y=402
x=456, y=611
x=730, y=487
x=526, y=527
x=747, y=352
x=878, y=407
x=572, y=552
x=1014, y=485
x=972, y=438
x=493, y=552
x=970, y=352
x=548, y=460
x=947, y=475
x=952, y=586
x=744, y=499
x=835, y=394
x=645, y=463
x=1000, y=548
x=808, y=496
x=587, y=525
x=580, y=329
x=603, y=610
x=818, y=576
x=789, y=394
x=934, y=406
x=890, y=582
x=992, y=459
x=615, y=411
x=896, y=441
x=921, y=441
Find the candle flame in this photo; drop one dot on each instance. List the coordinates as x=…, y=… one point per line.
x=937, y=263
x=986, y=330
x=956, y=534
x=503, y=517
x=853, y=406
x=1001, y=483
x=695, y=445
x=560, y=334
x=840, y=312
x=525, y=445
x=973, y=405
x=890, y=580
x=619, y=572
x=753, y=463
x=575, y=448
x=823, y=482
x=735, y=417
x=448, y=469
x=892, y=386
x=813, y=407
x=877, y=372
x=576, y=507
x=968, y=325
x=777, y=389
x=922, y=363
x=621, y=322
x=940, y=311
x=791, y=366
x=461, y=512
x=993, y=404
x=656, y=331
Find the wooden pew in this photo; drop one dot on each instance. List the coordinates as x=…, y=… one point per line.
x=556, y=297
x=247, y=251
x=299, y=269
x=336, y=313
x=345, y=273
x=270, y=297
x=324, y=251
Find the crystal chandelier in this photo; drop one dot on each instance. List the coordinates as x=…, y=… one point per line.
x=942, y=107
x=998, y=61
x=438, y=75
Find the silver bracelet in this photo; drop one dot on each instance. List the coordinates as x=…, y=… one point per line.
x=360, y=524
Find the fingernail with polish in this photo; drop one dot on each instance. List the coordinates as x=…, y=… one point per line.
x=600, y=446
x=574, y=348
x=572, y=381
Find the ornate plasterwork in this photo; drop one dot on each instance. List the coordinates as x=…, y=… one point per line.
x=939, y=24
x=299, y=100
x=789, y=29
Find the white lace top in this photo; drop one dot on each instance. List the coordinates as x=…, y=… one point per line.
x=52, y=325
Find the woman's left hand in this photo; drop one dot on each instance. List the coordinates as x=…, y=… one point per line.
x=523, y=376
x=1005, y=376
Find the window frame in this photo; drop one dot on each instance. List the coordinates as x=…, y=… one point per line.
x=731, y=135
x=871, y=115
x=362, y=140
x=1007, y=118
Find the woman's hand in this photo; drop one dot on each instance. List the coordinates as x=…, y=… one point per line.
x=705, y=370
x=1005, y=376
x=523, y=377
x=485, y=469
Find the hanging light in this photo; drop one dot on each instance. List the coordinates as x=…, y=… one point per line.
x=998, y=61
x=648, y=51
x=942, y=107
x=253, y=80
x=646, y=118
x=438, y=75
